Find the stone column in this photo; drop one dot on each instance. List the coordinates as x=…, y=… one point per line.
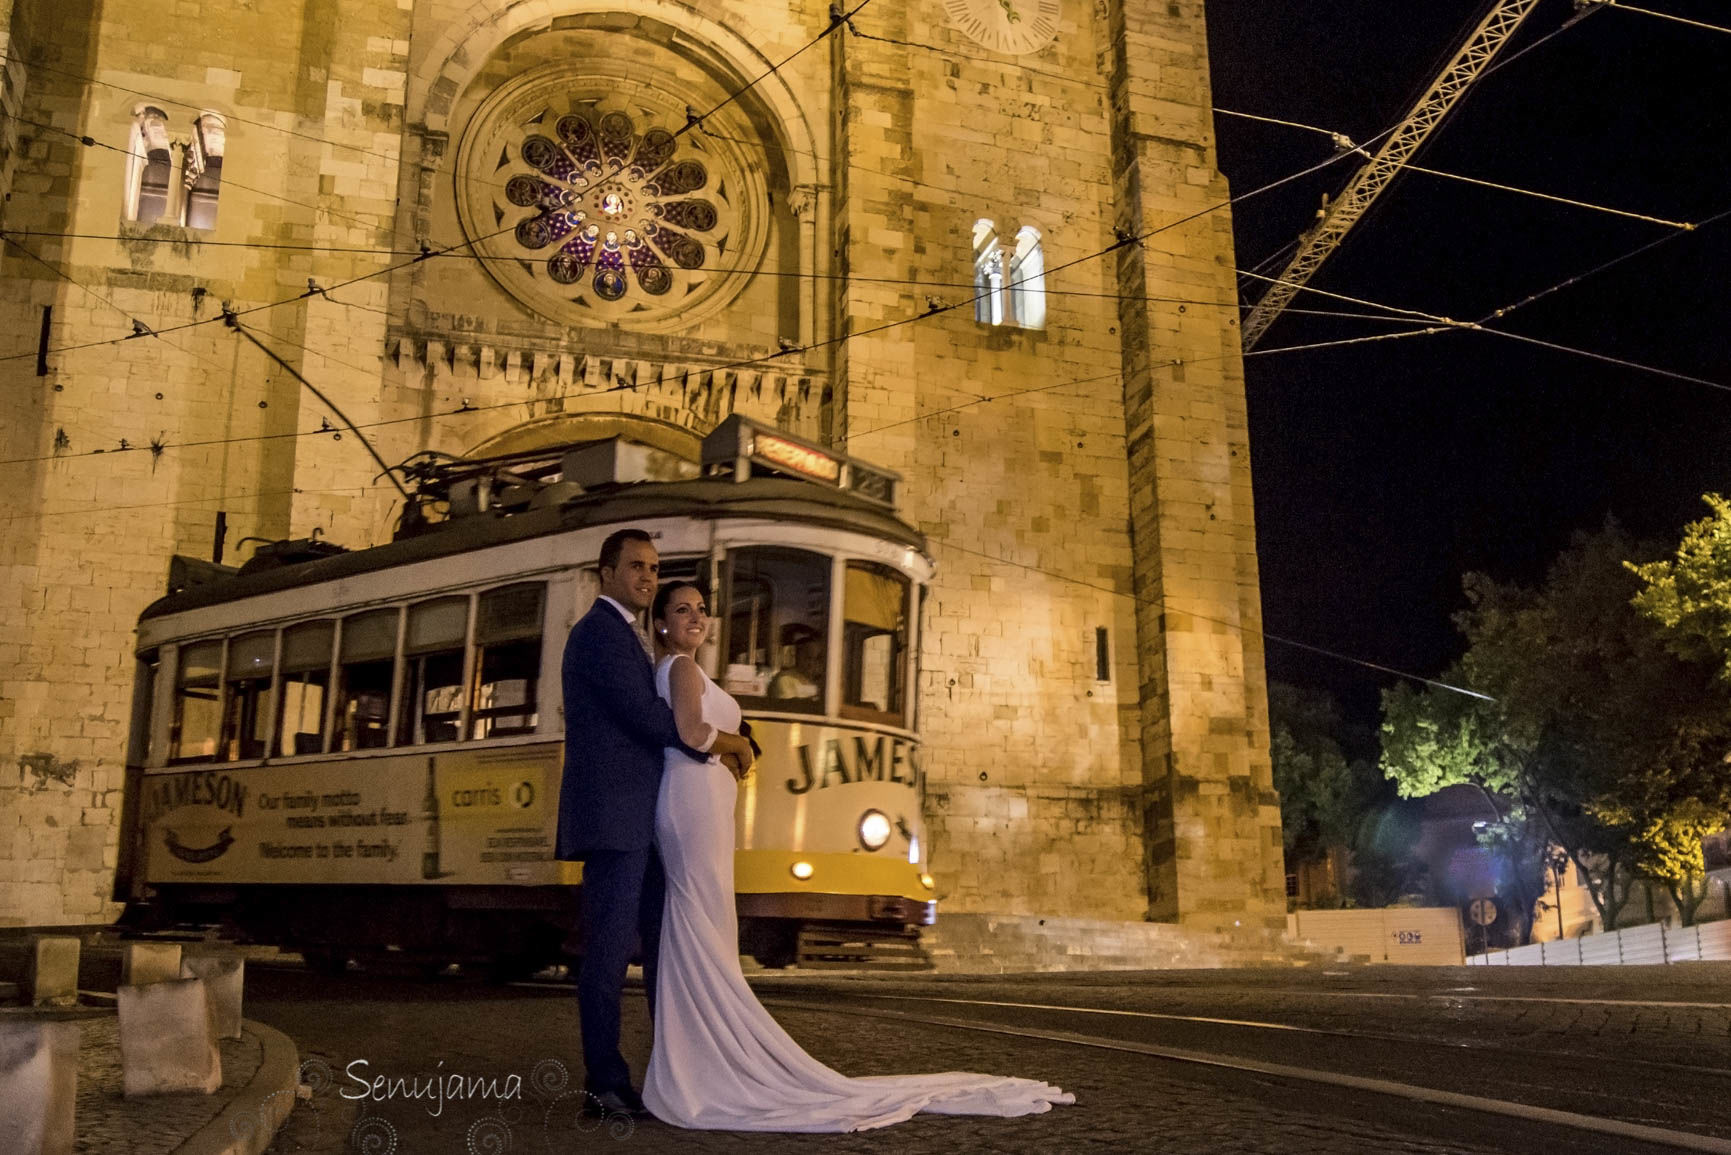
x=1214, y=844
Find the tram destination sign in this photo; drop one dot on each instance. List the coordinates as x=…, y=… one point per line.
x=740, y=444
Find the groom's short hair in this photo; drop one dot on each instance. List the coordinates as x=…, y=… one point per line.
x=615, y=545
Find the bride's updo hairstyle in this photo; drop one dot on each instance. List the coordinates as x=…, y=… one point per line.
x=664, y=595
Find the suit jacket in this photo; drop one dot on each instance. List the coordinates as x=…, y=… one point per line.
x=617, y=730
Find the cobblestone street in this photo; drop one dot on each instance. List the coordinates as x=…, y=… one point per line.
x=1643, y=1048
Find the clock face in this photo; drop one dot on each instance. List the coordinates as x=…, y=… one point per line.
x=1013, y=26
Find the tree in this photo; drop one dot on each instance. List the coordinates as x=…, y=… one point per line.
x=1611, y=740
x=1319, y=789
x=1689, y=595
x=1333, y=798
x=1439, y=737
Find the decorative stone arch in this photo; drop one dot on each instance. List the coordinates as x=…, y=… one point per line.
x=564, y=428
x=462, y=50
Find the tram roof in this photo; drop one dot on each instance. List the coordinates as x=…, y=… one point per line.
x=707, y=499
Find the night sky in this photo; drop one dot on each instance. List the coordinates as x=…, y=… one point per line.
x=1384, y=471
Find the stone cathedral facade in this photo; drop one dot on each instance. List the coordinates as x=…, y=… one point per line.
x=961, y=239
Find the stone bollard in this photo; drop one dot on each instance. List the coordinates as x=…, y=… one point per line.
x=224, y=976
x=53, y=971
x=149, y=962
x=38, y=1087
x=167, y=1039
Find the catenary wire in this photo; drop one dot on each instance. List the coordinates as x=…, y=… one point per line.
x=1166, y=606
x=1622, y=7
x=581, y=395
x=1599, y=268
x=694, y=120
x=92, y=142
x=1685, y=226
x=912, y=282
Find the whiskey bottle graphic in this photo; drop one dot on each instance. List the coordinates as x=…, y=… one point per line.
x=430, y=816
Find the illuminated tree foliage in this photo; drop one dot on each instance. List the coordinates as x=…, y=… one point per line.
x=1689, y=596
x=1613, y=740
x=1434, y=738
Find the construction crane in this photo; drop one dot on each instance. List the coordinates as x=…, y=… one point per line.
x=1487, y=39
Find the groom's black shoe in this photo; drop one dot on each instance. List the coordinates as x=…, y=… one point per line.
x=625, y=1101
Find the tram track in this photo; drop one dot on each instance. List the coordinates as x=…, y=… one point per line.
x=1337, y=1032
x=1637, y=1125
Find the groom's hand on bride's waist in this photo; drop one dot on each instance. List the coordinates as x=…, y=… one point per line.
x=734, y=752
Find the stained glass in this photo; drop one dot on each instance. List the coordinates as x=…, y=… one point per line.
x=598, y=167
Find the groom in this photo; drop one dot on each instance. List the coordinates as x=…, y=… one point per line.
x=616, y=732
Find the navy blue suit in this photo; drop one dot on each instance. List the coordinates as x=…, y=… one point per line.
x=617, y=730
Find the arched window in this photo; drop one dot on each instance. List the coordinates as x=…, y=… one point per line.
x=1027, y=281
x=149, y=166
x=203, y=175
x=988, y=274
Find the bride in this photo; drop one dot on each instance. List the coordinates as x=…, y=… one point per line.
x=720, y=1062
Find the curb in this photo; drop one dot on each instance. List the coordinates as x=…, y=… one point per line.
x=250, y=1120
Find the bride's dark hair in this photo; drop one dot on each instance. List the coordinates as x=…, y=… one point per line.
x=658, y=609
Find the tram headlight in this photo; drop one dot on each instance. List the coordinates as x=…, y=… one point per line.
x=801, y=870
x=928, y=882
x=914, y=851
x=874, y=829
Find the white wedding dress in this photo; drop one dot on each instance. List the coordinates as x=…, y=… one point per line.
x=720, y=1062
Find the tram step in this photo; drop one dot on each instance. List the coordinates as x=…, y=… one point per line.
x=852, y=948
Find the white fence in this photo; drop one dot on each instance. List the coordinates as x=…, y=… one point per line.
x=1413, y=936
x=1653, y=944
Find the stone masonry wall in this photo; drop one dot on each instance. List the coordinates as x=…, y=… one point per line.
x=1068, y=479
x=96, y=512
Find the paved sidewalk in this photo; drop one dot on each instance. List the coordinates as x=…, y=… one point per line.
x=258, y=1088
x=260, y=1071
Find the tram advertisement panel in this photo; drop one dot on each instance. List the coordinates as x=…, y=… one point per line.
x=473, y=816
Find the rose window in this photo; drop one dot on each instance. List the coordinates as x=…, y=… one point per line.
x=612, y=210
x=588, y=205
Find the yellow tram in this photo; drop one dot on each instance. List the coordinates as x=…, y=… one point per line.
x=355, y=754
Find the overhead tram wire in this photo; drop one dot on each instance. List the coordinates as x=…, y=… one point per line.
x=1618, y=5
x=105, y=507
x=139, y=328
x=1489, y=34
x=750, y=362
x=911, y=282
x=1128, y=239
x=1447, y=323
x=1684, y=226
x=385, y=470
x=1166, y=606
x=158, y=98
x=584, y=395
x=92, y=142
x=837, y=19
x=938, y=309
x=1568, y=282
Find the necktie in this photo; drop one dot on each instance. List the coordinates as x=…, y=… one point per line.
x=643, y=640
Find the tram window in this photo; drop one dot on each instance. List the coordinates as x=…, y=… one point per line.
x=148, y=667
x=248, y=684
x=778, y=627
x=507, y=661
x=874, y=643
x=197, y=704
x=367, y=662
x=306, y=680
x=432, y=705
